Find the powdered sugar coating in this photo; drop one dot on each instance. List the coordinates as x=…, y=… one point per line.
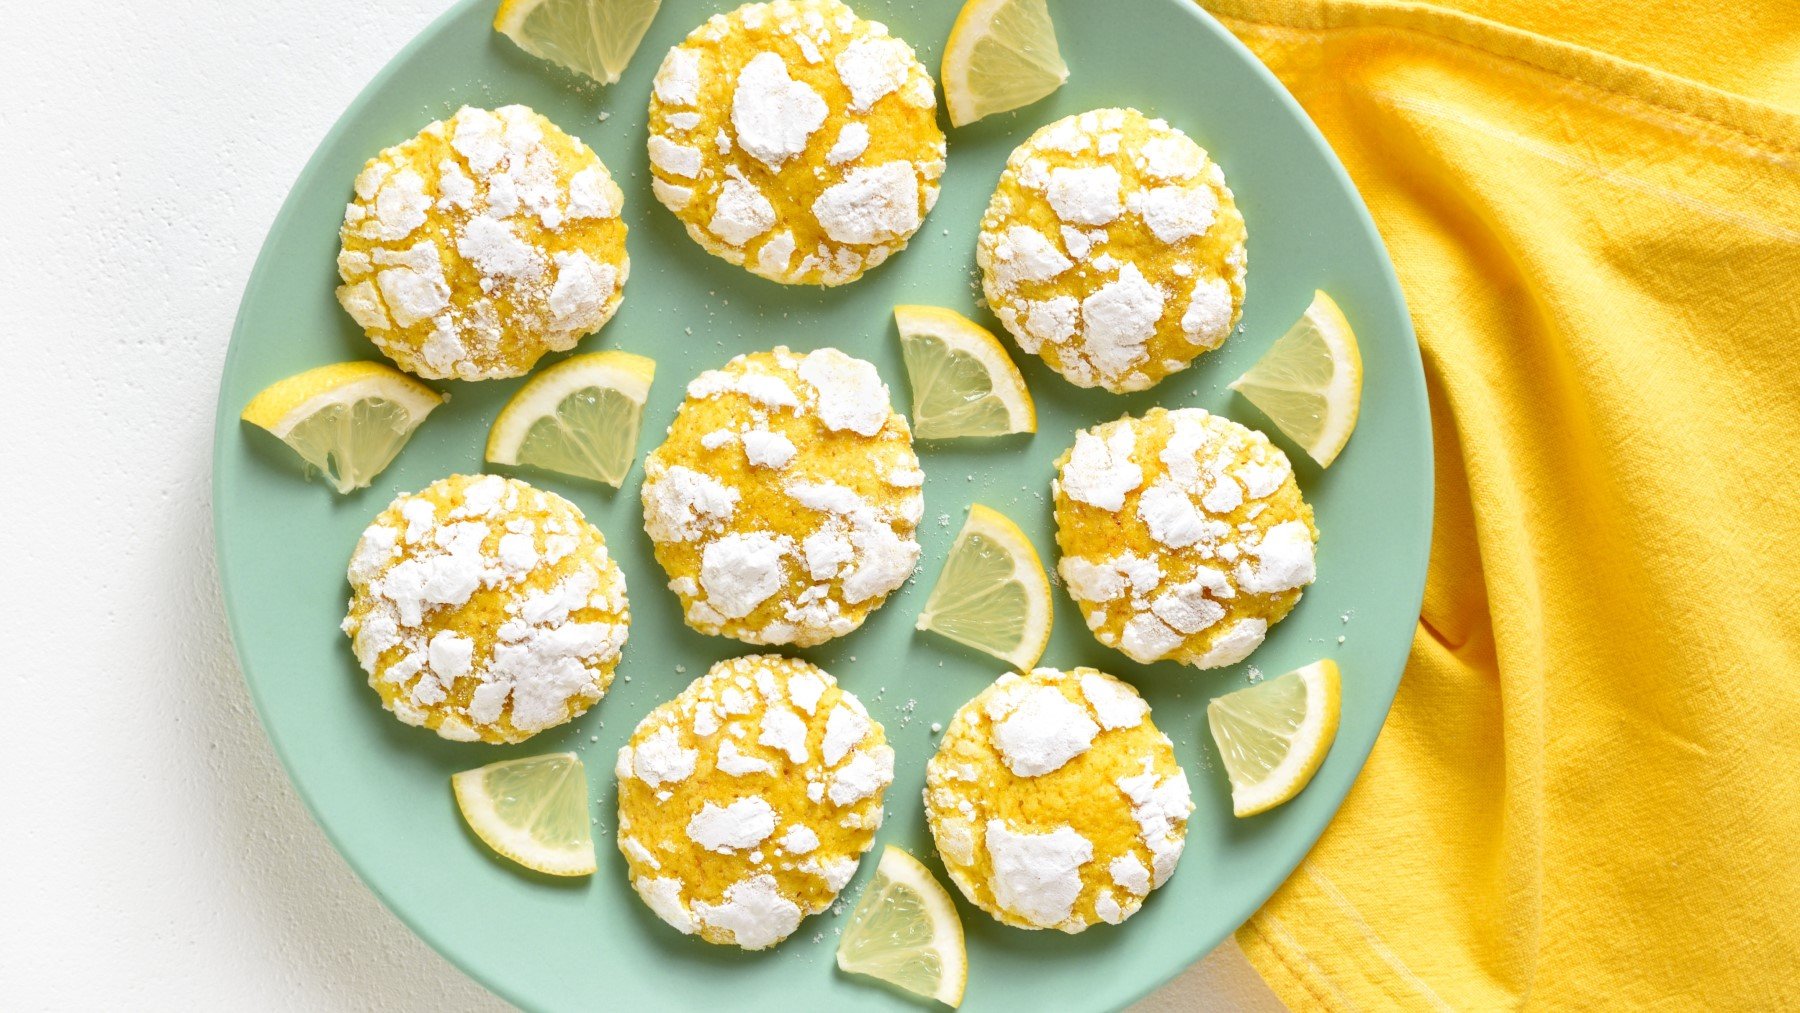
x=734, y=827
x=746, y=802
x=1206, y=546
x=486, y=609
x=1100, y=471
x=1055, y=802
x=796, y=139
x=1113, y=249
x=784, y=502
x=1037, y=876
x=773, y=114
x=1040, y=729
x=484, y=242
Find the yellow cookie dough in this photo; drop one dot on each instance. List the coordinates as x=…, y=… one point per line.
x=486, y=609
x=485, y=241
x=1183, y=536
x=746, y=802
x=783, y=503
x=1113, y=249
x=796, y=139
x=1054, y=801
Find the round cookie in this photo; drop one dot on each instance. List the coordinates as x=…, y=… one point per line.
x=783, y=503
x=480, y=244
x=1113, y=249
x=1054, y=801
x=486, y=609
x=797, y=140
x=746, y=802
x=1183, y=536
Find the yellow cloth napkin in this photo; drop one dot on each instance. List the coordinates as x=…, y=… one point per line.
x=1588, y=792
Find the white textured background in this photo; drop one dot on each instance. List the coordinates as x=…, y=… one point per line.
x=152, y=853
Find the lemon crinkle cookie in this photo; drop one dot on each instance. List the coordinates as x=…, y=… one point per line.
x=486, y=609
x=1055, y=802
x=482, y=243
x=1183, y=536
x=1113, y=249
x=746, y=802
x=784, y=502
x=796, y=139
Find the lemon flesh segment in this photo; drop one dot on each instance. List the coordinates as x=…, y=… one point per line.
x=592, y=37
x=1309, y=383
x=963, y=382
x=1001, y=55
x=905, y=932
x=1274, y=735
x=992, y=594
x=580, y=417
x=532, y=810
x=349, y=420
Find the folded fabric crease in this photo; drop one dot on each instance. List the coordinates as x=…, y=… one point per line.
x=1583, y=794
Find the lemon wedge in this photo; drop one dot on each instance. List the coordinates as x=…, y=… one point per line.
x=1274, y=735
x=963, y=382
x=905, y=932
x=348, y=420
x=1309, y=383
x=1001, y=55
x=532, y=810
x=579, y=417
x=592, y=37
x=992, y=594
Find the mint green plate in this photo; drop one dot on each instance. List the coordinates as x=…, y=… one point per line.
x=381, y=789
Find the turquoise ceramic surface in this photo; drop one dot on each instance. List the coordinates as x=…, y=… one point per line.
x=380, y=788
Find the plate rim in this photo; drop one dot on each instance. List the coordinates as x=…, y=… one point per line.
x=227, y=416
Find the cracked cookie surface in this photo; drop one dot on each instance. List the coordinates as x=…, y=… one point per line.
x=797, y=140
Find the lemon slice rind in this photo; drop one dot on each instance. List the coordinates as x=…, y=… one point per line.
x=286, y=405
x=985, y=42
x=1307, y=744
x=515, y=842
x=613, y=28
x=961, y=338
x=971, y=586
x=543, y=396
x=899, y=871
x=1292, y=379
